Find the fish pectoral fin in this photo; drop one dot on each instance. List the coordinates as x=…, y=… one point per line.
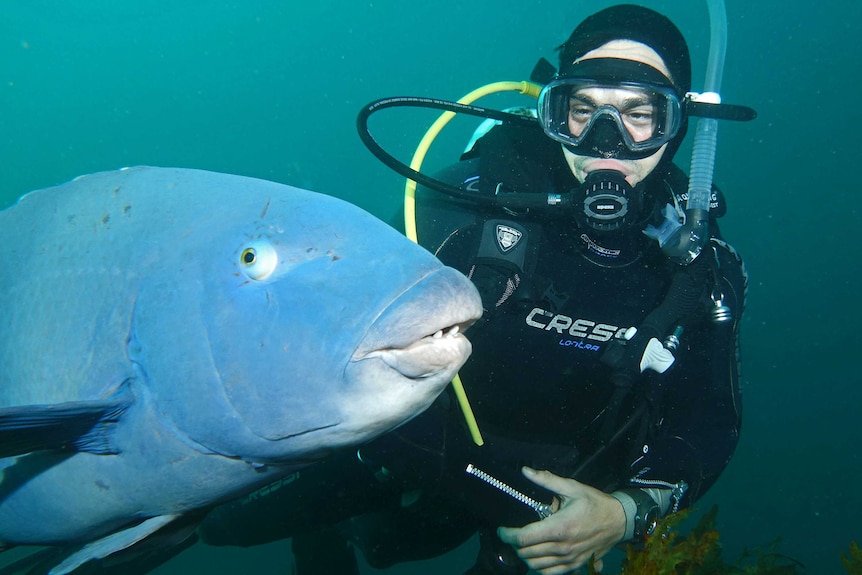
x=113, y=543
x=80, y=425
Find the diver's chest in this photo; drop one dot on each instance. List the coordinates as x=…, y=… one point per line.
x=574, y=313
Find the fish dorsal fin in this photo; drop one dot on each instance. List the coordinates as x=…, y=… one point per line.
x=80, y=425
x=112, y=543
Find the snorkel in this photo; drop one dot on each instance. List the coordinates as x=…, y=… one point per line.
x=683, y=242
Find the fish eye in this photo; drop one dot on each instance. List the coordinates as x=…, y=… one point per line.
x=258, y=260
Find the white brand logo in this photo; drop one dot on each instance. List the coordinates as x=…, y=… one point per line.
x=507, y=238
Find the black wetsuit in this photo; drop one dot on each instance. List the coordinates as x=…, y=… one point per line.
x=541, y=392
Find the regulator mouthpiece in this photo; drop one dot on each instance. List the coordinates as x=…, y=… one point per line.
x=607, y=201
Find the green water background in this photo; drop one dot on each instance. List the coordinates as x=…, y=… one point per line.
x=271, y=89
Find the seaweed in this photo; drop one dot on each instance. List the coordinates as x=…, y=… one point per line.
x=667, y=552
x=853, y=562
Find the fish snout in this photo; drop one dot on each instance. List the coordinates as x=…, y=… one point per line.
x=421, y=333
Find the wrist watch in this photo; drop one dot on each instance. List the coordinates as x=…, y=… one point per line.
x=647, y=515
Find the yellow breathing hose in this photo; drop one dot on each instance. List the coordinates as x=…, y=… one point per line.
x=526, y=88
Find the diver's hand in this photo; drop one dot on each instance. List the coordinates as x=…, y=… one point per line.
x=588, y=523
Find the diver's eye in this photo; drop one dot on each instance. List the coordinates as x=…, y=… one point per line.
x=258, y=260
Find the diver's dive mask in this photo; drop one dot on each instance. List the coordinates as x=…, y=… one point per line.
x=611, y=108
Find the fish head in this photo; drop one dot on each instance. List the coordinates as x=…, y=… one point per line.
x=302, y=325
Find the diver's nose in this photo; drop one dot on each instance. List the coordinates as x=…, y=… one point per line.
x=605, y=139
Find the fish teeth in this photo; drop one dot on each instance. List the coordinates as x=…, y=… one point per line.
x=448, y=332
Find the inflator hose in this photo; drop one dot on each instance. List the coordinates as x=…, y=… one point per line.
x=686, y=243
x=527, y=88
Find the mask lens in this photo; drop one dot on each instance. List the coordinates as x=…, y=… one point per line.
x=635, y=109
x=646, y=116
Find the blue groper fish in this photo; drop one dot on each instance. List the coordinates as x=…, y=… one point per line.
x=173, y=338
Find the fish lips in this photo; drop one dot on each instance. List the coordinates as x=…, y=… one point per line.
x=420, y=334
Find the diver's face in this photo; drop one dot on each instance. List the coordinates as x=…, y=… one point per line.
x=636, y=107
x=633, y=170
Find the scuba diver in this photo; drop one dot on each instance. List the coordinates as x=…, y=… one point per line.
x=605, y=371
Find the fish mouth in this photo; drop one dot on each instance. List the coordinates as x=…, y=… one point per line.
x=421, y=333
x=429, y=355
